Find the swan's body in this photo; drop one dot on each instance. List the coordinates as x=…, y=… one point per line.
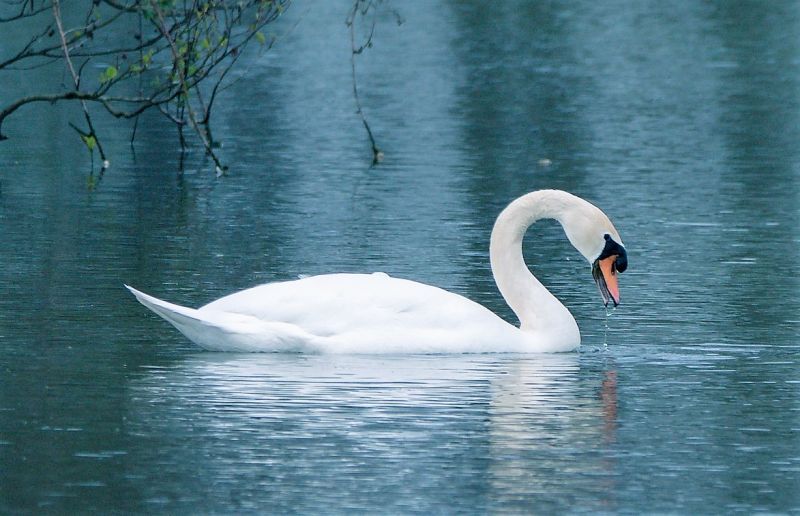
x=344, y=313
x=376, y=313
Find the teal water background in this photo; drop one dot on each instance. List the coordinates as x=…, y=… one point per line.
x=680, y=120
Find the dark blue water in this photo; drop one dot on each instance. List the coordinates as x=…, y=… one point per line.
x=679, y=120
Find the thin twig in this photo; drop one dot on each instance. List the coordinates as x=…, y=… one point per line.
x=377, y=154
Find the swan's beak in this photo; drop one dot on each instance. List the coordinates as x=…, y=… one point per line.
x=605, y=275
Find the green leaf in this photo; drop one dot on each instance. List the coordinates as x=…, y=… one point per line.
x=89, y=141
x=109, y=74
x=261, y=38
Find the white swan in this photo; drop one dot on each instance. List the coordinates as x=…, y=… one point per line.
x=375, y=313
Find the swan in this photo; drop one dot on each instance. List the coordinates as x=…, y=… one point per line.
x=377, y=313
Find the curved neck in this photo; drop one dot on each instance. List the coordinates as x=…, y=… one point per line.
x=537, y=309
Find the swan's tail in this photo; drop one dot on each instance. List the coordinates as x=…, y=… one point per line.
x=225, y=331
x=177, y=315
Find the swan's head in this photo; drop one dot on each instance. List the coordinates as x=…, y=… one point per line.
x=611, y=261
x=594, y=236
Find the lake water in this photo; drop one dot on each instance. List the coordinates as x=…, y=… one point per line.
x=681, y=120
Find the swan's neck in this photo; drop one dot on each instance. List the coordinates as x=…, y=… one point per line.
x=538, y=310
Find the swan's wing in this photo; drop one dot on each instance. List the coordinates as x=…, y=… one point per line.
x=339, y=304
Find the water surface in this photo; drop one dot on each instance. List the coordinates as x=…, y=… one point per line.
x=679, y=120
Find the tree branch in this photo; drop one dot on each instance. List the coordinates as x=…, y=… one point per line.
x=181, y=56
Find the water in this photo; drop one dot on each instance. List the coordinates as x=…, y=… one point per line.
x=679, y=120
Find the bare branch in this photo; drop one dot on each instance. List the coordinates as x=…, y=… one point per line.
x=22, y=14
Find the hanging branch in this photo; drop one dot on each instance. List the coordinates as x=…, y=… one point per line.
x=185, y=106
x=361, y=7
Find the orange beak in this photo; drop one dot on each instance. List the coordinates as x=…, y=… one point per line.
x=605, y=275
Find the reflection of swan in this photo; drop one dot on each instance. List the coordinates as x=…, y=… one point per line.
x=374, y=313
x=550, y=424
x=269, y=430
